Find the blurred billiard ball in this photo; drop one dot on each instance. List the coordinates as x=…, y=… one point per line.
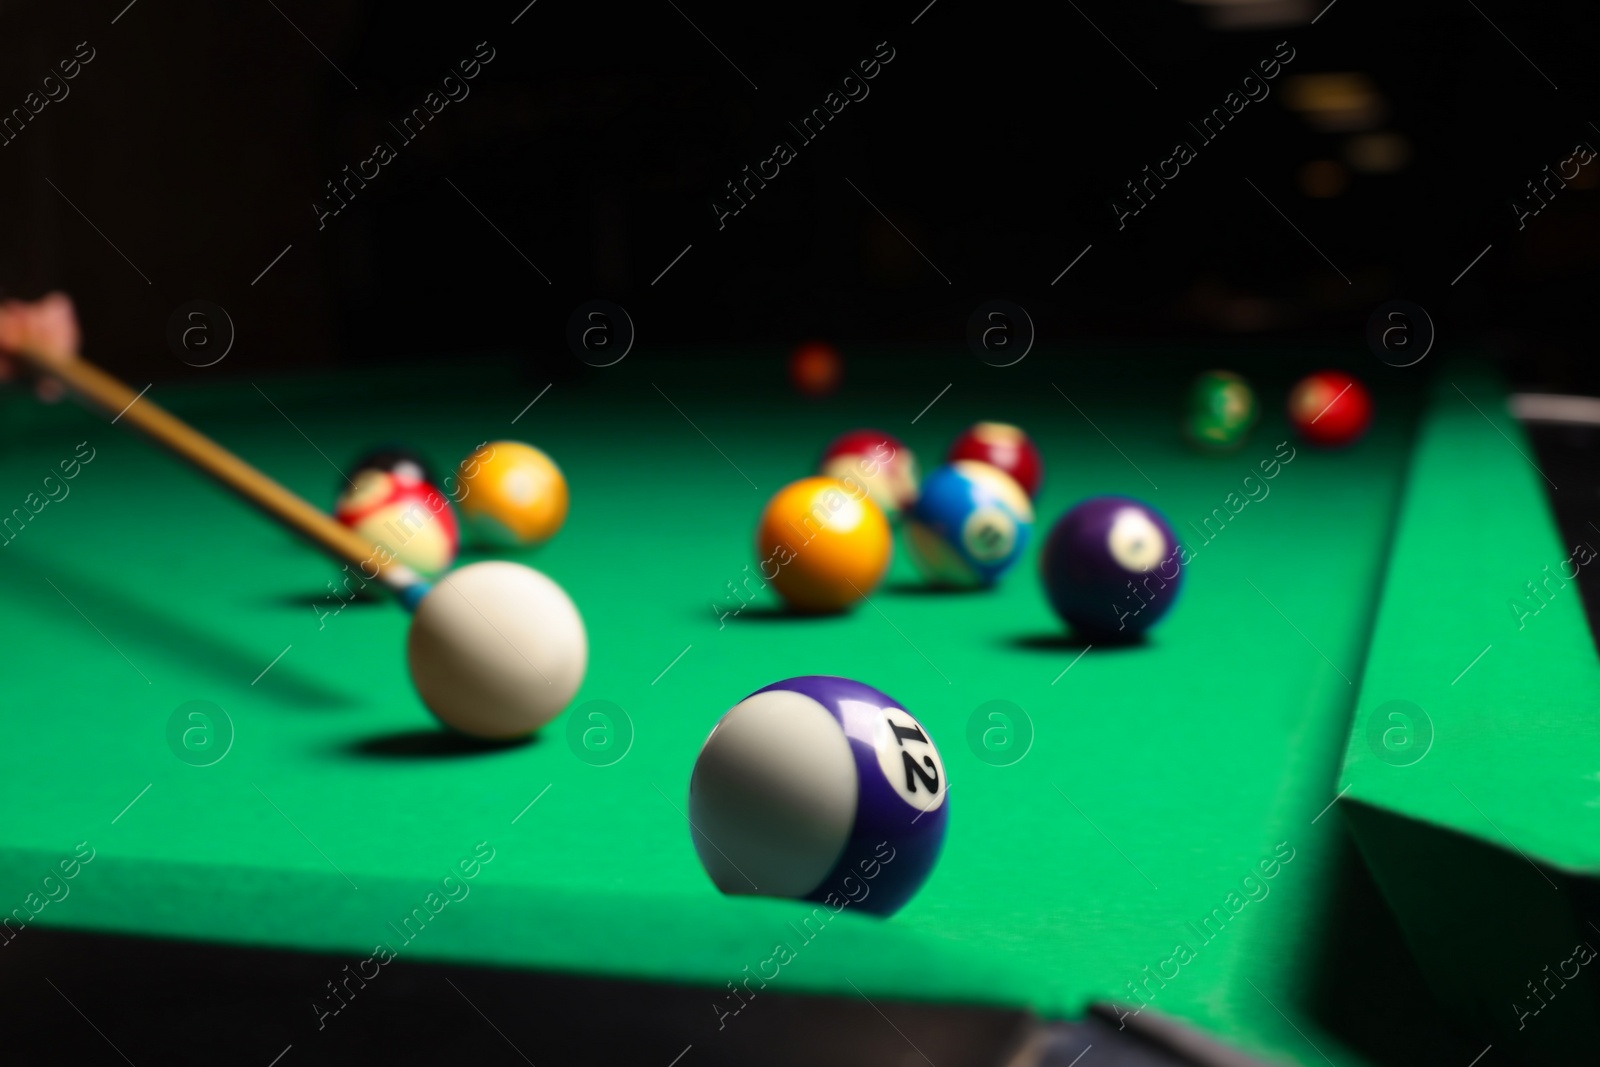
x=511, y=494
x=822, y=544
x=397, y=509
x=1330, y=409
x=1221, y=410
x=496, y=650
x=877, y=461
x=816, y=368
x=1005, y=446
x=969, y=525
x=1111, y=567
x=395, y=459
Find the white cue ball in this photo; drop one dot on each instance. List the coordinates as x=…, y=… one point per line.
x=496, y=649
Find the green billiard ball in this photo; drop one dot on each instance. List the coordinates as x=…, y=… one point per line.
x=1222, y=409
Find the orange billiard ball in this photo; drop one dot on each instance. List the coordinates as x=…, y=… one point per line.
x=822, y=545
x=511, y=494
x=816, y=368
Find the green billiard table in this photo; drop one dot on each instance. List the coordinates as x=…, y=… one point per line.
x=1152, y=824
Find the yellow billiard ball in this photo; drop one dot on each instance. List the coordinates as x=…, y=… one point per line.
x=511, y=493
x=822, y=545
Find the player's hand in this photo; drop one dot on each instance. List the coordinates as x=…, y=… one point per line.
x=47, y=328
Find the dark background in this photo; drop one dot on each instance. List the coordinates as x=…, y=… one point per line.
x=192, y=147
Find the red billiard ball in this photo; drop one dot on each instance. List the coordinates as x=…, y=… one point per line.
x=816, y=368
x=404, y=514
x=1002, y=445
x=1330, y=409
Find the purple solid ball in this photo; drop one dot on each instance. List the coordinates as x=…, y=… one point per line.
x=1111, y=567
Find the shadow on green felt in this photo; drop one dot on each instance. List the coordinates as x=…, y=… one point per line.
x=433, y=743
x=783, y=613
x=323, y=600
x=903, y=588
x=1064, y=641
x=184, y=644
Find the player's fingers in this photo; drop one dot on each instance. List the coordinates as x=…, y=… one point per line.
x=13, y=325
x=7, y=371
x=50, y=390
x=46, y=327
x=54, y=326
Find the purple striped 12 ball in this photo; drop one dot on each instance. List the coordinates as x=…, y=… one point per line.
x=1111, y=567
x=823, y=789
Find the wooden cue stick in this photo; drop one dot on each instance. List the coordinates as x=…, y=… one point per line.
x=116, y=399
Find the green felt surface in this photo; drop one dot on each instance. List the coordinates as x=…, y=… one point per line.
x=1159, y=778
x=1482, y=628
